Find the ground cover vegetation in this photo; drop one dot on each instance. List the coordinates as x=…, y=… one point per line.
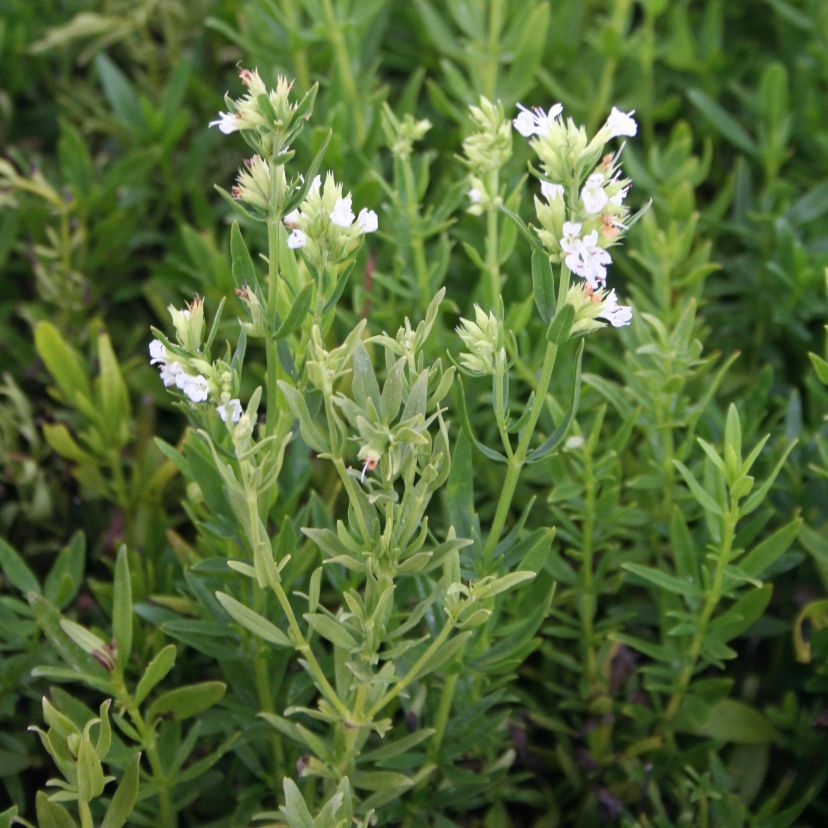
x=413, y=413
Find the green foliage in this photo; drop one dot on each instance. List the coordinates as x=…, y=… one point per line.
x=316, y=578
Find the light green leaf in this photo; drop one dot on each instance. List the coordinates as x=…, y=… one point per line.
x=680, y=586
x=334, y=631
x=125, y=796
x=122, y=609
x=16, y=571
x=187, y=701
x=252, y=621
x=156, y=670
x=734, y=721
x=699, y=492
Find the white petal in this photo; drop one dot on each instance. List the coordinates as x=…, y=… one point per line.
x=292, y=218
x=621, y=123
x=296, y=239
x=231, y=409
x=228, y=122
x=550, y=190
x=342, y=215
x=367, y=221
x=157, y=351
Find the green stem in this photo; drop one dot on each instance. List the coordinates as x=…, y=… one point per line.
x=586, y=599
x=714, y=595
x=413, y=672
x=271, y=353
x=443, y=711
x=343, y=63
x=518, y=460
x=300, y=56
x=301, y=644
x=85, y=815
x=492, y=252
x=147, y=734
x=493, y=48
x=415, y=238
x=265, y=697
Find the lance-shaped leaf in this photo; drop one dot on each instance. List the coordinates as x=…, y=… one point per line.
x=252, y=621
x=467, y=427
x=16, y=570
x=244, y=273
x=297, y=313
x=705, y=499
x=125, y=796
x=559, y=434
x=156, y=670
x=122, y=609
x=543, y=285
x=559, y=328
x=184, y=702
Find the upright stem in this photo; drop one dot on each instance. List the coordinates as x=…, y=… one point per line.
x=413, y=672
x=518, y=460
x=147, y=734
x=492, y=252
x=415, y=238
x=442, y=715
x=586, y=599
x=343, y=64
x=714, y=594
x=271, y=353
x=493, y=48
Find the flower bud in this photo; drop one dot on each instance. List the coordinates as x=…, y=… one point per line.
x=189, y=324
x=490, y=146
x=483, y=339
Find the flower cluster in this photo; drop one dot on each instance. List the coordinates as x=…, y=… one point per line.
x=483, y=339
x=197, y=379
x=324, y=225
x=260, y=110
x=581, y=209
x=485, y=151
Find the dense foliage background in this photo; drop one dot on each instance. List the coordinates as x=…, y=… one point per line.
x=108, y=214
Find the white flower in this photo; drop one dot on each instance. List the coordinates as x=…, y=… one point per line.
x=550, y=190
x=158, y=353
x=571, y=237
x=292, y=218
x=619, y=197
x=296, y=239
x=231, y=410
x=228, y=122
x=593, y=194
x=367, y=221
x=617, y=315
x=475, y=196
x=342, y=215
x=621, y=123
x=535, y=121
x=315, y=185
x=591, y=260
x=169, y=373
x=194, y=387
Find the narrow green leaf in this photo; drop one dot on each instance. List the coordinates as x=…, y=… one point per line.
x=543, y=285
x=16, y=571
x=252, y=621
x=295, y=809
x=244, y=273
x=759, y=495
x=62, y=361
x=699, y=492
x=122, y=608
x=561, y=325
x=734, y=721
x=297, y=313
x=552, y=442
x=467, y=427
x=125, y=796
x=722, y=121
x=51, y=814
x=332, y=630
x=184, y=702
x=90, y=772
x=680, y=586
x=156, y=670
x=770, y=550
